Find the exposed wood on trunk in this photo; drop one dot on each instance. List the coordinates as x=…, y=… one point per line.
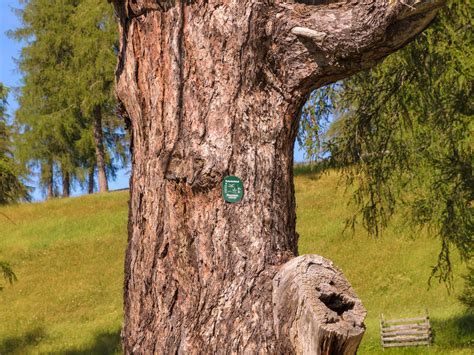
x=90, y=180
x=213, y=88
x=316, y=311
x=100, y=150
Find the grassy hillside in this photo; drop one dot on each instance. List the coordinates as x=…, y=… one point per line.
x=389, y=274
x=68, y=256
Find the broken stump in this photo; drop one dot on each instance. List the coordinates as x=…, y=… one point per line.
x=316, y=311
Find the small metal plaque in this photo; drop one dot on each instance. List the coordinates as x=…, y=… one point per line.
x=232, y=189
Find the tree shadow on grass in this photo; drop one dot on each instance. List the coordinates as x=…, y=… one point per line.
x=19, y=344
x=104, y=343
x=454, y=332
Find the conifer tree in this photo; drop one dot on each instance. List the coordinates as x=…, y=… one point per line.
x=47, y=125
x=67, y=122
x=95, y=44
x=11, y=186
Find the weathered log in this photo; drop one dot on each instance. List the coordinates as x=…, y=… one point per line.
x=315, y=309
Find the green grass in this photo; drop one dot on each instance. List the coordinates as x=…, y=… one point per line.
x=389, y=274
x=68, y=256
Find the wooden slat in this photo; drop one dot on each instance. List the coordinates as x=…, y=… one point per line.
x=421, y=325
x=406, y=332
x=388, y=331
x=405, y=338
x=424, y=336
x=405, y=320
x=414, y=342
x=406, y=344
x=406, y=326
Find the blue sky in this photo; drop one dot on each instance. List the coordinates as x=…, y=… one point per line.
x=9, y=75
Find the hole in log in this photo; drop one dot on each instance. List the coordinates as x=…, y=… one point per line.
x=336, y=302
x=315, y=310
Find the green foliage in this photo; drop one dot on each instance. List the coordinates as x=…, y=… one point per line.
x=403, y=136
x=47, y=124
x=314, y=122
x=11, y=185
x=95, y=44
x=68, y=69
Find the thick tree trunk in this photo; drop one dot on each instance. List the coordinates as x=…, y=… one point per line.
x=213, y=88
x=90, y=180
x=100, y=150
x=66, y=181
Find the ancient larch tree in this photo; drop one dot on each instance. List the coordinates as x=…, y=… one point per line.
x=213, y=88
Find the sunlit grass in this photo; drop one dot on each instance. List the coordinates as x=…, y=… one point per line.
x=68, y=256
x=390, y=274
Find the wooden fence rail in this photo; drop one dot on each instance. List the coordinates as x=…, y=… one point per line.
x=405, y=332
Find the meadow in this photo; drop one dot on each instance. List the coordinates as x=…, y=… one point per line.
x=68, y=257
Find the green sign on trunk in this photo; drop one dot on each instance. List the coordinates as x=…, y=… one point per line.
x=232, y=189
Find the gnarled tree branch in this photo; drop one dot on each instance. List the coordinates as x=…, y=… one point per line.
x=318, y=44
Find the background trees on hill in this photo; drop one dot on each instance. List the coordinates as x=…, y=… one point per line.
x=46, y=125
x=95, y=45
x=66, y=124
x=403, y=135
x=12, y=187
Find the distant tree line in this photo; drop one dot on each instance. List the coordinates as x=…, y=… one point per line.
x=11, y=173
x=11, y=187
x=67, y=126
x=402, y=134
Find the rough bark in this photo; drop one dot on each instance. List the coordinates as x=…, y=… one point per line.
x=100, y=150
x=213, y=88
x=66, y=182
x=90, y=180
